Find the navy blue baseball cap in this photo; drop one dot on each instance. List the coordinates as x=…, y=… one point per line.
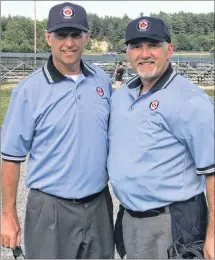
x=67, y=15
x=149, y=28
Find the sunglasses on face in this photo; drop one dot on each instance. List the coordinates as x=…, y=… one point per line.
x=151, y=44
x=62, y=35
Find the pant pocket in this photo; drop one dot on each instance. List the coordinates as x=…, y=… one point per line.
x=189, y=221
x=199, y=230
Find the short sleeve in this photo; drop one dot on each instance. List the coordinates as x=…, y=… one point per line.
x=195, y=128
x=18, y=128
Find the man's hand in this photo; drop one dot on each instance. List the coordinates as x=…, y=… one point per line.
x=10, y=230
x=209, y=241
x=209, y=248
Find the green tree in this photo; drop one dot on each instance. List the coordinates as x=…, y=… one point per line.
x=89, y=45
x=189, y=31
x=183, y=42
x=141, y=14
x=18, y=34
x=120, y=45
x=95, y=25
x=42, y=45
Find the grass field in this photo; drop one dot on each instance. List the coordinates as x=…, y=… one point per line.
x=5, y=99
x=186, y=54
x=210, y=92
x=194, y=54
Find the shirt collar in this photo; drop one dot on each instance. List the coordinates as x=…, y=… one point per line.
x=53, y=75
x=162, y=82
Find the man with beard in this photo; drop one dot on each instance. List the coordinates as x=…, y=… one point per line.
x=161, y=150
x=59, y=117
x=119, y=71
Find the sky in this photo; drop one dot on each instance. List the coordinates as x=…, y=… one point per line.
x=109, y=8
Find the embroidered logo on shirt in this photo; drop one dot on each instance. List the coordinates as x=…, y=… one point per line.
x=154, y=105
x=67, y=12
x=100, y=91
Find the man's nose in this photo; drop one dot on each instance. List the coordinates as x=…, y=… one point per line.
x=69, y=41
x=144, y=52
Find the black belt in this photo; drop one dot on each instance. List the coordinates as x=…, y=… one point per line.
x=146, y=214
x=86, y=199
x=152, y=212
x=77, y=201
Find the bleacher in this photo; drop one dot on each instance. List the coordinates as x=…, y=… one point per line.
x=14, y=67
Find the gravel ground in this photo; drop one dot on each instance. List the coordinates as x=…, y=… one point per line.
x=21, y=203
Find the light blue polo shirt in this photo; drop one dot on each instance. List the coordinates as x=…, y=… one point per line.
x=161, y=143
x=62, y=125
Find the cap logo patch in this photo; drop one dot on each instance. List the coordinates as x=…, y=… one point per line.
x=154, y=105
x=100, y=91
x=67, y=12
x=143, y=25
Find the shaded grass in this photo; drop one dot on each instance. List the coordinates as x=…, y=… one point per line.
x=5, y=93
x=210, y=92
x=5, y=99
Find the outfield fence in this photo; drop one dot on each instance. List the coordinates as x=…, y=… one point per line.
x=16, y=66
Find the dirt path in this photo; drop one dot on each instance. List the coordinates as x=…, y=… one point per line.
x=7, y=86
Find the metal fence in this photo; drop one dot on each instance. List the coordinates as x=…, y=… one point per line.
x=16, y=66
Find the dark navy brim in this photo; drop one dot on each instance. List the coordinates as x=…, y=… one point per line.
x=159, y=39
x=67, y=25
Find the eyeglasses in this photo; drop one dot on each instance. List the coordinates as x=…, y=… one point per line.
x=62, y=35
x=17, y=252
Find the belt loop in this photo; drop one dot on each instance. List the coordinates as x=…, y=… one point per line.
x=167, y=209
x=74, y=201
x=197, y=196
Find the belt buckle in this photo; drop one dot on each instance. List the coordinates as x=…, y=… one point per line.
x=74, y=201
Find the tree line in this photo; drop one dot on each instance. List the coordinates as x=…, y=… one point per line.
x=189, y=32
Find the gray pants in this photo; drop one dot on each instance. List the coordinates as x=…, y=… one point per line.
x=147, y=238
x=57, y=228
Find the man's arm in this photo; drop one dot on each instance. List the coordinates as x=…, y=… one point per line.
x=116, y=69
x=209, y=242
x=199, y=112
x=10, y=228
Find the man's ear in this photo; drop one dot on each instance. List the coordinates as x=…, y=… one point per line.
x=170, y=50
x=48, y=36
x=127, y=55
x=87, y=37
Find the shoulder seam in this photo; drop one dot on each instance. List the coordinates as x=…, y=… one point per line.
x=30, y=76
